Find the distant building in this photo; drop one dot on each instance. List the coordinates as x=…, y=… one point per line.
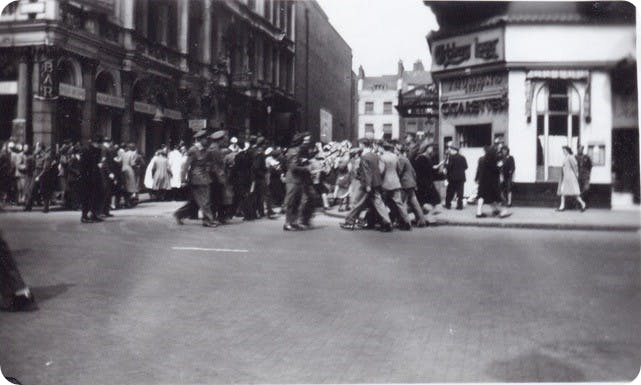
x=539, y=76
x=323, y=72
x=378, y=99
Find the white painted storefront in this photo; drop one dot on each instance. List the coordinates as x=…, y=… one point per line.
x=556, y=81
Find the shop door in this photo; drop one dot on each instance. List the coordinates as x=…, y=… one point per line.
x=625, y=167
x=472, y=139
x=69, y=118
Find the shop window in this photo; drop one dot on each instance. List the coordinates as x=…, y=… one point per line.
x=476, y=135
x=369, y=128
x=387, y=129
x=411, y=127
x=596, y=152
x=557, y=125
x=387, y=107
x=369, y=107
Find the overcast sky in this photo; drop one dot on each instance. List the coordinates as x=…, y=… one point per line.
x=382, y=31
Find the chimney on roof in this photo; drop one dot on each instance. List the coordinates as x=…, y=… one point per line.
x=361, y=72
x=418, y=66
x=400, y=68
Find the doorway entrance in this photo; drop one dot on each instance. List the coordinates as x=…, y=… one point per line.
x=471, y=140
x=625, y=167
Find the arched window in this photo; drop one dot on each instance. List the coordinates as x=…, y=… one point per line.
x=558, y=110
x=105, y=83
x=69, y=72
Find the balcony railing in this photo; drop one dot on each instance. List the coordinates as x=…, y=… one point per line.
x=155, y=50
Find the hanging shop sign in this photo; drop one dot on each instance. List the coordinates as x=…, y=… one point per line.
x=72, y=92
x=110, y=100
x=468, y=50
x=173, y=114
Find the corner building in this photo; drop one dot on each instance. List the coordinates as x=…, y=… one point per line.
x=539, y=76
x=145, y=71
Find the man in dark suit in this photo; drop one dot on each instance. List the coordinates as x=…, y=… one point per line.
x=90, y=181
x=370, y=192
x=196, y=173
x=293, y=182
x=456, y=167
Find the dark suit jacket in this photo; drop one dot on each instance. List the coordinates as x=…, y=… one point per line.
x=89, y=159
x=368, y=171
x=456, y=168
x=407, y=173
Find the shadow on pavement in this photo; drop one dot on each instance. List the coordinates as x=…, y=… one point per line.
x=45, y=293
x=535, y=367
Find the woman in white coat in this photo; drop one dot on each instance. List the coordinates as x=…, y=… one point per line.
x=569, y=182
x=176, y=160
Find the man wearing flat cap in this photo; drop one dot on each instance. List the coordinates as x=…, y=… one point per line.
x=196, y=175
x=369, y=194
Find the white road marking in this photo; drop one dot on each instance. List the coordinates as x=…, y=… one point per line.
x=206, y=249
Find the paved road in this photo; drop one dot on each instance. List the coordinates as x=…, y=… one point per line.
x=134, y=300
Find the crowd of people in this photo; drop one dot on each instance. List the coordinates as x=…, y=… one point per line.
x=60, y=174
x=380, y=184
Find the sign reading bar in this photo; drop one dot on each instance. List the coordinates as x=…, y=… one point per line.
x=47, y=87
x=468, y=50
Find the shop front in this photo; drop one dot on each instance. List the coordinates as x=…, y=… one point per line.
x=473, y=114
x=538, y=88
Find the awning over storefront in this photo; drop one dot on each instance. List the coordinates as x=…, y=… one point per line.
x=558, y=74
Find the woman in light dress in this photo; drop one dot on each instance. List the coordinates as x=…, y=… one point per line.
x=569, y=182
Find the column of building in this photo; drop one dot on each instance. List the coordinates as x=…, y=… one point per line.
x=19, y=124
x=127, y=76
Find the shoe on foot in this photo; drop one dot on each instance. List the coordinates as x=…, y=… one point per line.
x=179, y=221
x=505, y=214
x=289, y=227
x=481, y=215
x=386, y=228
x=348, y=225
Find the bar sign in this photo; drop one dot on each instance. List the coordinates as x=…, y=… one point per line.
x=48, y=88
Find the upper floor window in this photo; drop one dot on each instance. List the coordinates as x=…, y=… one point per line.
x=251, y=4
x=369, y=107
x=387, y=107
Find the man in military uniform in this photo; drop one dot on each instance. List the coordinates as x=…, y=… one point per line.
x=220, y=194
x=196, y=173
x=42, y=183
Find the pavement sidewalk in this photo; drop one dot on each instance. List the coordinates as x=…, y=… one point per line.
x=537, y=218
x=522, y=217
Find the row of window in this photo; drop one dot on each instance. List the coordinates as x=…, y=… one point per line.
x=387, y=107
x=387, y=128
